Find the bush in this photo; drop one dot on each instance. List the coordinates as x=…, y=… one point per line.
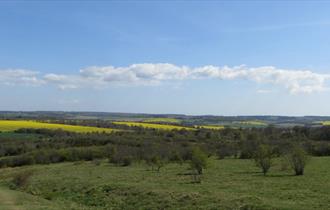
x=96, y=162
x=127, y=161
x=176, y=157
x=156, y=163
x=198, y=160
x=196, y=178
x=21, y=161
x=298, y=159
x=263, y=158
x=21, y=179
x=121, y=160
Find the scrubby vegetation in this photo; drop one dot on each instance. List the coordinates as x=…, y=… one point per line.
x=226, y=184
x=298, y=159
x=263, y=157
x=182, y=157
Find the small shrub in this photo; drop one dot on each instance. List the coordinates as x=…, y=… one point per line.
x=156, y=163
x=298, y=159
x=21, y=179
x=198, y=160
x=176, y=157
x=196, y=178
x=96, y=162
x=263, y=158
x=21, y=161
x=111, y=151
x=127, y=161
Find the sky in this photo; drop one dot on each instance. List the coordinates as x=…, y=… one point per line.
x=180, y=57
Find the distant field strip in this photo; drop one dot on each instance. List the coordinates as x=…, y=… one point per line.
x=153, y=125
x=326, y=123
x=212, y=127
x=12, y=125
x=255, y=123
x=165, y=120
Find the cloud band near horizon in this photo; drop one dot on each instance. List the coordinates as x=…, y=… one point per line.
x=295, y=81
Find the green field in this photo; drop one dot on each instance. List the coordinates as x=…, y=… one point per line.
x=12, y=125
x=227, y=184
x=162, y=120
x=153, y=125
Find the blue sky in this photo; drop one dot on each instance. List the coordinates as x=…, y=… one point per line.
x=221, y=58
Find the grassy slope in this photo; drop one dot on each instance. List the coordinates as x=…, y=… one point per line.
x=15, y=200
x=11, y=125
x=227, y=184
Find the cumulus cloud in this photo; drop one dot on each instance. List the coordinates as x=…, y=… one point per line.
x=295, y=81
x=20, y=76
x=136, y=74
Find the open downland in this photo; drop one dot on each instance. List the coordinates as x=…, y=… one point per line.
x=15, y=200
x=12, y=125
x=227, y=184
x=8, y=200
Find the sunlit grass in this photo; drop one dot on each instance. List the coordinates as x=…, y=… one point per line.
x=226, y=184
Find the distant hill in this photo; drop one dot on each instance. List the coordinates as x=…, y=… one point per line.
x=236, y=121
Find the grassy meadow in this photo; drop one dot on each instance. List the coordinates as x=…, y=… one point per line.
x=118, y=170
x=12, y=125
x=226, y=184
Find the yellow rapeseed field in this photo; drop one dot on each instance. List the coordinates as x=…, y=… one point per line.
x=153, y=125
x=12, y=125
x=325, y=123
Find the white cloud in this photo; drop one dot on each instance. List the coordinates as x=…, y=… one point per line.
x=295, y=81
x=144, y=74
x=19, y=76
x=63, y=81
